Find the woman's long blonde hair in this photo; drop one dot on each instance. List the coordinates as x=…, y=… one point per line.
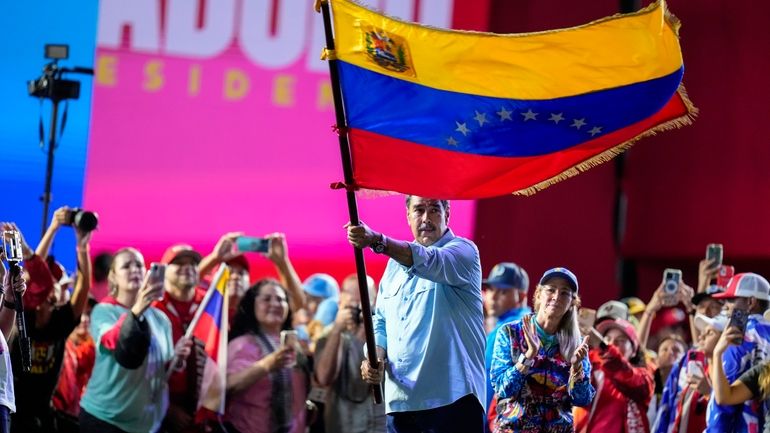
x=764, y=381
x=568, y=334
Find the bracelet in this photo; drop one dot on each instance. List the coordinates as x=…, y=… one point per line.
x=8, y=304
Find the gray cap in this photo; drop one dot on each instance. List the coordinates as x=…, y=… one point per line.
x=612, y=310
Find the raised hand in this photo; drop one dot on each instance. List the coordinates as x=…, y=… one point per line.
x=580, y=353
x=360, y=236
x=707, y=272
x=225, y=247
x=282, y=357
x=530, y=335
x=150, y=291
x=277, y=251
x=730, y=336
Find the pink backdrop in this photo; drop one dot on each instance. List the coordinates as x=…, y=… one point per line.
x=215, y=119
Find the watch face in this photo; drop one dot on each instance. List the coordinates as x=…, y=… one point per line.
x=378, y=247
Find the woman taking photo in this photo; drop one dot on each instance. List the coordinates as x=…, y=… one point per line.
x=266, y=380
x=127, y=391
x=623, y=382
x=539, y=367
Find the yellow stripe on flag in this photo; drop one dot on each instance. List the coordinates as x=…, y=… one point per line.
x=612, y=52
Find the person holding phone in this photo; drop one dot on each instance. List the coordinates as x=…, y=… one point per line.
x=267, y=381
x=746, y=298
x=688, y=388
x=128, y=389
x=540, y=367
x=10, y=288
x=623, y=381
x=49, y=323
x=752, y=385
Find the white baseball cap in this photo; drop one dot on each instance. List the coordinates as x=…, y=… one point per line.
x=718, y=322
x=746, y=285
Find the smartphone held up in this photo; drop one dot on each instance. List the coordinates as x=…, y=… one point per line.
x=290, y=339
x=252, y=244
x=157, y=274
x=671, y=280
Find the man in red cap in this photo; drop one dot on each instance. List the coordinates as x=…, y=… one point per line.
x=181, y=300
x=748, y=293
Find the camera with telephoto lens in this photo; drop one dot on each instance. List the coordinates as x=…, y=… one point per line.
x=84, y=220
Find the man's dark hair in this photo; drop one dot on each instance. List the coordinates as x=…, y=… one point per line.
x=444, y=203
x=102, y=264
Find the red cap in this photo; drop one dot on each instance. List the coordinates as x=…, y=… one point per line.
x=40, y=285
x=622, y=325
x=178, y=251
x=239, y=262
x=746, y=285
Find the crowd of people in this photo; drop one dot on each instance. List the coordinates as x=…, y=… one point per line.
x=111, y=352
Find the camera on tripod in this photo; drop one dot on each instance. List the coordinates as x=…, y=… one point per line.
x=51, y=85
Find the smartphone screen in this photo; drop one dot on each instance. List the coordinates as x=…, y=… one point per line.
x=157, y=272
x=289, y=339
x=671, y=279
x=714, y=252
x=248, y=243
x=739, y=318
x=157, y=275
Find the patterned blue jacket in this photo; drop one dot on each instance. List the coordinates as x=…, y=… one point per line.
x=542, y=399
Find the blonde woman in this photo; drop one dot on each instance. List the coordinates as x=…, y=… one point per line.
x=127, y=391
x=539, y=366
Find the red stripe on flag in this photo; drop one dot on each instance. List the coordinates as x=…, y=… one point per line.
x=207, y=331
x=386, y=163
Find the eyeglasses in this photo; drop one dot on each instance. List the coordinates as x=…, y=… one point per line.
x=550, y=290
x=269, y=298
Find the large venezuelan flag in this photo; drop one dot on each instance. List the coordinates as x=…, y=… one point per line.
x=451, y=114
x=211, y=328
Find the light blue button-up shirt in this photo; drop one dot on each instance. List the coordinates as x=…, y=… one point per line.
x=429, y=320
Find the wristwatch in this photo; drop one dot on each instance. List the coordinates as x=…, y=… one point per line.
x=523, y=360
x=379, y=245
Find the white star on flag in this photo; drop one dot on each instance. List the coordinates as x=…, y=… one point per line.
x=529, y=115
x=556, y=117
x=595, y=130
x=451, y=141
x=462, y=128
x=481, y=118
x=504, y=114
x=578, y=123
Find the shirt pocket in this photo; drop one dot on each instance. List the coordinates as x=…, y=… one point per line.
x=421, y=287
x=392, y=288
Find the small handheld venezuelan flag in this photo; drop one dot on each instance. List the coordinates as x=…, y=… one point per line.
x=482, y=114
x=210, y=326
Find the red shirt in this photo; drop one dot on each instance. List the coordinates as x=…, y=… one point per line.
x=180, y=313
